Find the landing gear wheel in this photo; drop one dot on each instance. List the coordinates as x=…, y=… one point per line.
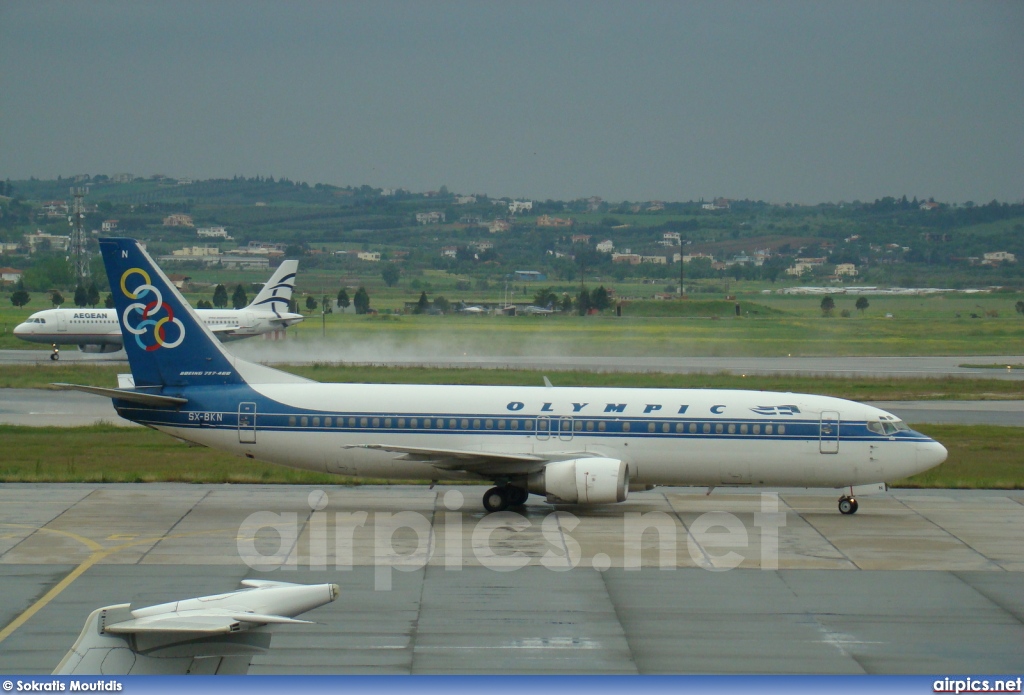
x=517, y=496
x=55, y=355
x=497, y=499
x=848, y=505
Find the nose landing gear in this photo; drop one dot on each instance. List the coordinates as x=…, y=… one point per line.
x=55, y=355
x=848, y=504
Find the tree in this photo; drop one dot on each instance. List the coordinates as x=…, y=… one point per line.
x=566, y=302
x=220, y=296
x=20, y=297
x=1019, y=306
x=545, y=298
x=862, y=304
x=109, y=301
x=423, y=305
x=362, y=301
x=343, y=300
x=583, y=303
x=391, y=272
x=94, y=294
x=441, y=304
x=56, y=298
x=599, y=299
x=81, y=297
x=827, y=305
x=311, y=303
x=204, y=304
x=239, y=300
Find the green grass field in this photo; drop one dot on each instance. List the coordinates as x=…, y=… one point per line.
x=980, y=457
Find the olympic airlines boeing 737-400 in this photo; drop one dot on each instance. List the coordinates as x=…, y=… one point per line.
x=98, y=330
x=572, y=445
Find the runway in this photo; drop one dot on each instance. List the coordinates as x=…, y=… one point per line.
x=915, y=582
x=893, y=367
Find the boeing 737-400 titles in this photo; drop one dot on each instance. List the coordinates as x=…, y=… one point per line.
x=98, y=330
x=570, y=445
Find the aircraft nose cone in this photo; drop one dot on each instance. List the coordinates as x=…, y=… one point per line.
x=21, y=329
x=930, y=454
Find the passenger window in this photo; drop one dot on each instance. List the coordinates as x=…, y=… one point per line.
x=732, y=429
x=387, y=422
x=316, y=422
x=782, y=429
x=501, y=424
x=465, y=424
x=376, y=422
x=693, y=428
x=476, y=424
x=590, y=426
x=363, y=422
x=664, y=427
x=679, y=428
x=767, y=429
x=489, y=424
x=743, y=429
x=304, y=421
x=601, y=426
x=401, y=422
x=757, y=429
x=718, y=428
x=327, y=422
x=625, y=427
x=515, y=424
x=578, y=425
x=291, y=421
x=351, y=422
x=707, y=428
x=414, y=423
x=650, y=426
x=451, y=424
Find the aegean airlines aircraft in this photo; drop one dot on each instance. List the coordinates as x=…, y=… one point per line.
x=571, y=445
x=98, y=330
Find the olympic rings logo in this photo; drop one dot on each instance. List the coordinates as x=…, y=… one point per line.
x=145, y=313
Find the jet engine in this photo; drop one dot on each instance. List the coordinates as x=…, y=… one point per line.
x=582, y=481
x=99, y=348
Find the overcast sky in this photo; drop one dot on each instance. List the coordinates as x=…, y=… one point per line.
x=800, y=102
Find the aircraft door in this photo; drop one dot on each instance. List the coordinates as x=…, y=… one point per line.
x=246, y=423
x=828, y=442
x=543, y=428
x=565, y=428
x=62, y=322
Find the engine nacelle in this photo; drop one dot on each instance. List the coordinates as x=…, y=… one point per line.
x=582, y=481
x=99, y=348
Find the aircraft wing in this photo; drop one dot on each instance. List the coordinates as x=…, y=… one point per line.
x=485, y=463
x=199, y=622
x=222, y=329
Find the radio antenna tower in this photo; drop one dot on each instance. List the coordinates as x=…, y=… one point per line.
x=79, y=254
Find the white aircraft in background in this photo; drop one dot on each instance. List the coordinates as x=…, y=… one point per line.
x=572, y=445
x=97, y=330
x=209, y=635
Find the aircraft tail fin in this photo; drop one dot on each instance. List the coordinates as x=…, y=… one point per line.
x=166, y=343
x=276, y=294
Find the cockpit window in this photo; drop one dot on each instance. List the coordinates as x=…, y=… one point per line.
x=876, y=427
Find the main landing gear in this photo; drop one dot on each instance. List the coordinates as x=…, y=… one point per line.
x=848, y=504
x=500, y=498
x=55, y=355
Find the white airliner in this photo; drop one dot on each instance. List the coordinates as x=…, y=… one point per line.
x=97, y=330
x=208, y=635
x=571, y=445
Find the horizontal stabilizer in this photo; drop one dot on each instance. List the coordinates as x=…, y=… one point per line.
x=125, y=395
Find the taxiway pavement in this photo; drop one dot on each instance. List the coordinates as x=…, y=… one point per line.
x=915, y=582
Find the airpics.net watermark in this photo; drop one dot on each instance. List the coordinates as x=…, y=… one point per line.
x=407, y=541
